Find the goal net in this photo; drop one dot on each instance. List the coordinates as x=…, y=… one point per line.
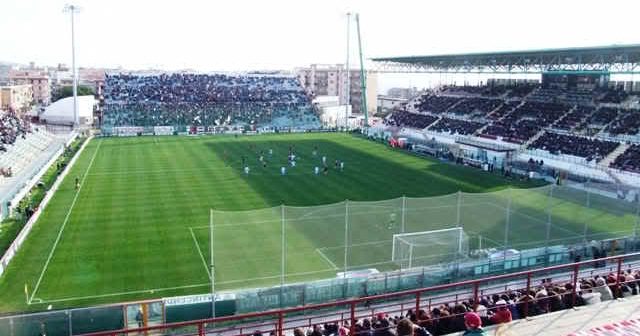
x=426, y=248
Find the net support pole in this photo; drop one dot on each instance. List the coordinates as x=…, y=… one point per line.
x=212, y=267
x=347, y=94
x=410, y=256
x=404, y=208
x=283, y=260
x=346, y=244
x=458, y=204
x=635, y=229
x=548, y=234
x=507, y=222
x=588, y=205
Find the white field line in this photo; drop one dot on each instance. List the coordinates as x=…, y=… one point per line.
x=204, y=262
x=66, y=220
x=149, y=291
x=538, y=220
x=327, y=259
x=121, y=293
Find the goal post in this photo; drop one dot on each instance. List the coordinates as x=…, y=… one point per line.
x=429, y=247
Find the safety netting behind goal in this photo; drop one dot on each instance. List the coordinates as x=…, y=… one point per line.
x=290, y=245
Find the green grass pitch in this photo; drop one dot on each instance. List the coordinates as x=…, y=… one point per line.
x=138, y=227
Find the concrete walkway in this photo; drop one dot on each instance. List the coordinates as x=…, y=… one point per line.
x=572, y=320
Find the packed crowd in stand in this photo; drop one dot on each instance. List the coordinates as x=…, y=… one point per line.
x=614, y=96
x=521, y=90
x=407, y=119
x=436, y=104
x=209, y=100
x=484, y=90
x=12, y=127
x=456, y=126
x=590, y=149
x=602, y=117
x=574, y=118
x=526, y=121
x=471, y=316
x=569, y=96
x=476, y=107
x=628, y=122
x=629, y=160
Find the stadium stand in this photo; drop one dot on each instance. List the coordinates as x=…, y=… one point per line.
x=526, y=121
x=613, y=96
x=206, y=100
x=407, y=119
x=11, y=127
x=601, y=118
x=559, y=144
x=482, y=90
x=521, y=90
x=456, y=126
x=629, y=160
x=436, y=104
x=569, y=96
x=574, y=118
x=441, y=310
x=628, y=122
x=476, y=107
x=503, y=110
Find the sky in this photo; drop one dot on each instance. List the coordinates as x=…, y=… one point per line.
x=237, y=35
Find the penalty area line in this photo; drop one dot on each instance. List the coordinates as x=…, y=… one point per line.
x=324, y=256
x=204, y=262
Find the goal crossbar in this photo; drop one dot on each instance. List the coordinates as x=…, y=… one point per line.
x=427, y=246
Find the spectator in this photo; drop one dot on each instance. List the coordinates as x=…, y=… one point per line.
x=502, y=314
x=406, y=328
x=473, y=324
x=602, y=288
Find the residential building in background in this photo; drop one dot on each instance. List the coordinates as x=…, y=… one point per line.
x=16, y=98
x=331, y=80
x=38, y=78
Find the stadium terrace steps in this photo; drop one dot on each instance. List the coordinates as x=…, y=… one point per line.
x=555, y=122
x=572, y=321
x=604, y=163
x=534, y=138
x=24, y=151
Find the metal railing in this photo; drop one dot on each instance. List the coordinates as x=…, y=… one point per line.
x=351, y=310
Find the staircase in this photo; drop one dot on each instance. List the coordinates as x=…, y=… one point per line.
x=533, y=138
x=553, y=124
x=454, y=105
x=604, y=163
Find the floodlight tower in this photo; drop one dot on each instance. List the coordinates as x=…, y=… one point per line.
x=73, y=9
x=348, y=82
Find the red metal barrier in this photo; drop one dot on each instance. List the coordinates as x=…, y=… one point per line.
x=419, y=294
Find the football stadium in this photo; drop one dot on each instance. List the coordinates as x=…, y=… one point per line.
x=230, y=204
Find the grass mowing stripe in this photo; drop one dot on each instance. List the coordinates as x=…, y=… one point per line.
x=64, y=223
x=129, y=230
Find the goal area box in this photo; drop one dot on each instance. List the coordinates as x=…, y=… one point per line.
x=428, y=248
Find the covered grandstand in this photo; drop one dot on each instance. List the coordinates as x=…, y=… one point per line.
x=575, y=117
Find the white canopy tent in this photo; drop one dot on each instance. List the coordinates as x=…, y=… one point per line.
x=61, y=111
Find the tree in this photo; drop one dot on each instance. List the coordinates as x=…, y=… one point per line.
x=67, y=91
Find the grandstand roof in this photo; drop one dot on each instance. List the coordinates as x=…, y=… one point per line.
x=609, y=59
